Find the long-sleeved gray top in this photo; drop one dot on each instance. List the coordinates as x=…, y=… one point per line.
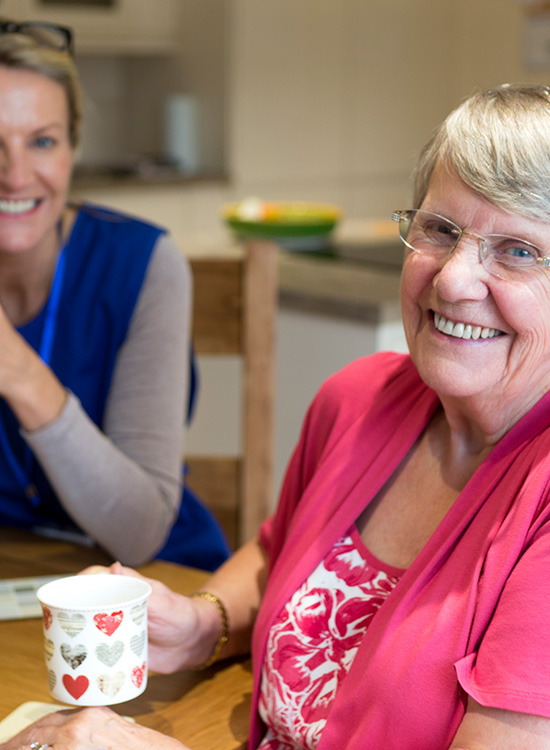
x=122, y=486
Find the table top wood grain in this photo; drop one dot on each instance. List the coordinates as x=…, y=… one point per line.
x=206, y=710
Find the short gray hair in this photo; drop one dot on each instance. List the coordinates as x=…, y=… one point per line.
x=498, y=142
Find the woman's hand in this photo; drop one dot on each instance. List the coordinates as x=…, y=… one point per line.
x=182, y=631
x=91, y=729
x=31, y=389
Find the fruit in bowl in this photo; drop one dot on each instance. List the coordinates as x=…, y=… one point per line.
x=295, y=225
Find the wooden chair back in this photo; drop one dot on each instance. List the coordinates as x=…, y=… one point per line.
x=235, y=304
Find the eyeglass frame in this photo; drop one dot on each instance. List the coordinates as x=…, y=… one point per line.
x=460, y=233
x=11, y=27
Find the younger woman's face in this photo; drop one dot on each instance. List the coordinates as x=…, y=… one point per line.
x=36, y=159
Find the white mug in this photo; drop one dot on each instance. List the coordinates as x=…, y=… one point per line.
x=95, y=638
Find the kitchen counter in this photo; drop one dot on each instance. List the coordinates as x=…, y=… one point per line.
x=356, y=277
x=339, y=287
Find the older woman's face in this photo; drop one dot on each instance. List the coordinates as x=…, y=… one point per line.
x=36, y=159
x=511, y=365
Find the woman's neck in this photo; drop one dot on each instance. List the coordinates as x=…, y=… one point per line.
x=476, y=424
x=460, y=446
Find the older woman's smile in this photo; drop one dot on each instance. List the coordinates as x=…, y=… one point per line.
x=464, y=330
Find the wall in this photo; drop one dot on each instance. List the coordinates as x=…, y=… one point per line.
x=491, y=48
x=105, y=123
x=325, y=99
x=199, y=69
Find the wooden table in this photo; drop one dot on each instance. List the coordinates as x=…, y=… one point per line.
x=206, y=710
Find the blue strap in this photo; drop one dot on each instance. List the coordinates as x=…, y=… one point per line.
x=52, y=309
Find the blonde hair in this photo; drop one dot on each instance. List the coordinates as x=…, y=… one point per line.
x=22, y=52
x=498, y=142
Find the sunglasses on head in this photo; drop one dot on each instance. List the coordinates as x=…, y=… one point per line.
x=47, y=35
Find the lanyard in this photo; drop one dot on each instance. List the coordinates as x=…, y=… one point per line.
x=23, y=473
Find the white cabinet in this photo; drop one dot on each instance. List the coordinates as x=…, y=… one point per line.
x=115, y=27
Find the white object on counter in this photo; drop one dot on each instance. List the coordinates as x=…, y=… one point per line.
x=181, y=131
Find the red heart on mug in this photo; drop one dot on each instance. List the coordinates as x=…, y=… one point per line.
x=138, y=674
x=108, y=623
x=75, y=687
x=46, y=617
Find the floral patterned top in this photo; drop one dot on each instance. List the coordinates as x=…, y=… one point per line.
x=313, y=642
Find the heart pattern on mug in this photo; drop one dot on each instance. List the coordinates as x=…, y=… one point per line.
x=52, y=679
x=76, y=687
x=108, y=623
x=48, y=648
x=47, y=618
x=138, y=673
x=74, y=656
x=110, y=684
x=71, y=624
x=109, y=655
x=137, y=642
x=137, y=612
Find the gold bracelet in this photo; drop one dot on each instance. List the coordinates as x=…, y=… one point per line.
x=222, y=640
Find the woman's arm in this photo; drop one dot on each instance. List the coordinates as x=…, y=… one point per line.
x=485, y=728
x=240, y=585
x=130, y=474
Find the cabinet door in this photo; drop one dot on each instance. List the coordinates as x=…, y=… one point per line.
x=108, y=26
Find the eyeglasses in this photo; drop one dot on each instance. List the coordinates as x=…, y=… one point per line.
x=47, y=35
x=506, y=257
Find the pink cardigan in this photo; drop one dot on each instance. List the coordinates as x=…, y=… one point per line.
x=472, y=613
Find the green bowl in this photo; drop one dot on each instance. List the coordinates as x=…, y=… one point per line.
x=294, y=225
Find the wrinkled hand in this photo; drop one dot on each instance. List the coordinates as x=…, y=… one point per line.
x=173, y=625
x=91, y=729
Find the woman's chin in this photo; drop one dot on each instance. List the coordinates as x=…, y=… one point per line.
x=458, y=380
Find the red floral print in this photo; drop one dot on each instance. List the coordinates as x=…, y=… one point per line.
x=313, y=642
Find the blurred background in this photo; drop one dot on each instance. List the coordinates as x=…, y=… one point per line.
x=324, y=99
x=193, y=103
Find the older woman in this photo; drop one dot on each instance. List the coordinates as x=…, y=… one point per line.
x=94, y=336
x=400, y=596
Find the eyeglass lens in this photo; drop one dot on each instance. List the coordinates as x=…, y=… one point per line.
x=427, y=232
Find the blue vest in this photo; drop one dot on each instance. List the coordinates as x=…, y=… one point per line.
x=105, y=263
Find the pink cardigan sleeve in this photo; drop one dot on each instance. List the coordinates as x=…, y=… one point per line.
x=510, y=668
